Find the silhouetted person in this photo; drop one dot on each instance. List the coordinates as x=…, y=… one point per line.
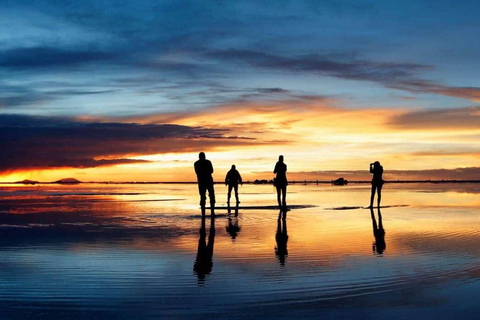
x=233, y=229
x=281, y=237
x=377, y=182
x=232, y=179
x=379, y=233
x=281, y=182
x=204, y=170
x=204, y=261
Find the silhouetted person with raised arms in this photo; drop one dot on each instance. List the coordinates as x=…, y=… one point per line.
x=232, y=180
x=379, y=233
x=204, y=261
x=377, y=182
x=204, y=170
x=281, y=237
x=233, y=228
x=281, y=182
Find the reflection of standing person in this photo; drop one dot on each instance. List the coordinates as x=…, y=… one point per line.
x=233, y=228
x=281, y=237
x=377, y=182
x=280, y=181
x=378, y=232
x=204, y=261
x=204, y=170
x=232, y=179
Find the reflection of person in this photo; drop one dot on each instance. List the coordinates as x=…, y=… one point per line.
x=280, y=181
x=204, y=261
x=377, y=182
x=204, y=170
x=281, y=237
x=378, y=232
x=233, y=228
x=232, y=179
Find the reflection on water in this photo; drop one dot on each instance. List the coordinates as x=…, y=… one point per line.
x=281, y=237
x=204, y=261
x=126, y=251
x=379, y=244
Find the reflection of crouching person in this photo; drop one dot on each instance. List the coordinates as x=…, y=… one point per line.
x=204, y=170
x=232, y=179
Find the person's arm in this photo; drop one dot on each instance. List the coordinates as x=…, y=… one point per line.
x=371, y=168
x=239, y=178
x=226, y=178
x=285, y=168
x=276, y=168
x=211, y=167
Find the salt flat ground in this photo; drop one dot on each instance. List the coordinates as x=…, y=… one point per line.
x=93, y=251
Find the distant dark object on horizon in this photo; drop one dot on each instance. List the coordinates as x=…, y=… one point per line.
x=68, y=181
x=262, y=181
x=339, y=182
x=26, y=181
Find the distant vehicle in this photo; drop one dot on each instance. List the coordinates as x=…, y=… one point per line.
x=339, y=182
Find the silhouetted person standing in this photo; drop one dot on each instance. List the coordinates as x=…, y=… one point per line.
x=232, y=179
x=204, y=261
x=379, y=233
x=377, y=182
x=281, y=237
x=204, y=170
x=280, y=181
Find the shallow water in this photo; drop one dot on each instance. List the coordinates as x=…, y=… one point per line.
x=142, y=251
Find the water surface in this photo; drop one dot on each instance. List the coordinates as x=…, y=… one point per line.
x=143, y=251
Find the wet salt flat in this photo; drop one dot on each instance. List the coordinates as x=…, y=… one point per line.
x=142, y=251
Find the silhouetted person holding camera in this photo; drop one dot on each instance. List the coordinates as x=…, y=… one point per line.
x=281, y=237
x=379, y=233
x=204, y=170
x=377, y=182
x=280, y=181
x=204, y=261
x=232, y=179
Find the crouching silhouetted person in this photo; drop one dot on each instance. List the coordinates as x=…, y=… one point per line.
x=232, y=180
x=204, y=170
x=377, y=182
x=281, y=182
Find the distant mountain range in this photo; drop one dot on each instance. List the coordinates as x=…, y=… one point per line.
x=68, y=181
x=26, y=181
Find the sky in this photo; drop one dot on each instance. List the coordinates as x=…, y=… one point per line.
x=133, y=90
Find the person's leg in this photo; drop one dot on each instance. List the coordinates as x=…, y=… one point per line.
x=202, y=190
x=372, y=195
x=211, y=195
x=379, y=192
x=284, y=195
x=229, y=192
x=235, y=187
x=278, y=196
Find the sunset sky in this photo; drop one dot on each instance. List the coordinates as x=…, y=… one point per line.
x=133, y=90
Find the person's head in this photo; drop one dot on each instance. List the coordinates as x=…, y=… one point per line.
x=201, y=156
x=233, y=167
x=280, y=158
x=376, y=164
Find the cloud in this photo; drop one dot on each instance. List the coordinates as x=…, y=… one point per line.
x=39, y=142
x=48, y=57
x=438, y=119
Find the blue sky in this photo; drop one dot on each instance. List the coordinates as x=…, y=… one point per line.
x=408, y=65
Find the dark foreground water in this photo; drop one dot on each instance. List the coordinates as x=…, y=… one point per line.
x=143, y=251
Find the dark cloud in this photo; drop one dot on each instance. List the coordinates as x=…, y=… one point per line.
x=39, y=142
x=48, y=57
x=325, y=65
x=461, y=118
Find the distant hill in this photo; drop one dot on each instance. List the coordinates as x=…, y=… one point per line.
x=26, y=181
x=68, y=181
